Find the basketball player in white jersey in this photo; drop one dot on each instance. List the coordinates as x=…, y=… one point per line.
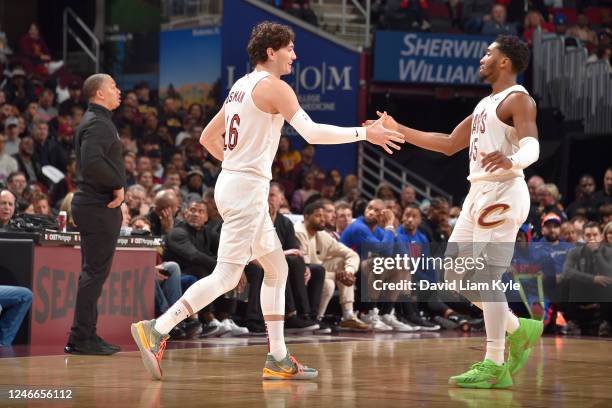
x=244, y=135
x=503, y=140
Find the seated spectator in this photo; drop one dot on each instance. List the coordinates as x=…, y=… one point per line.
x=135, y=198
x=549, y=197
x=46, y=106
x=19, y=91
x=146, y=180
x=498, y=25
x=194, y=187
x=17, y=184
x=436, y=226
x=8, y=164
x=287, y=158
x=25, y=161
x=34, y=48
x=474, y=13
x=404, y=15
x=385, y=192
x=304, y=285
x=303, y=194
x=568, y=233
x=5, y=49
x=42, y=144
x=340, y=264
x=605, y=213
x=344, y=216
x=15, y=303
x=7, y=207
x=393, y=205
x=584, y=194
x=75, y=99
x=170, y=116
x=62, y=149
x=408, y=197
x=583, y=32
x=587, y=276
x=41, y=205
x=11, y=131
x=162, y=214
x=307, y=164
x=604, y=196
x=533, y=20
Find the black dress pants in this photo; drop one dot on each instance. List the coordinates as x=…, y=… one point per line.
x=99, y=228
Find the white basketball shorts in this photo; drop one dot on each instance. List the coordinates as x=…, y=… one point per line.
x=247, y=232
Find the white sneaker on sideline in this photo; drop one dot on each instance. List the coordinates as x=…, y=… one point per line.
x=373, y=319
x=390, y=320
x=223, y=328
x=232, y=329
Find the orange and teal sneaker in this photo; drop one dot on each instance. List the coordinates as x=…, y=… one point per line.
x=151, y=344
x=521, y=342
x=287, y=369
x=485, y=374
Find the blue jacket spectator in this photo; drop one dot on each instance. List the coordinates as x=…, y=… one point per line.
x=364, y=234
x=413, y=242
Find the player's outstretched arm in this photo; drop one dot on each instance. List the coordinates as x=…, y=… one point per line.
x=520, y=110
x=212, y=135
x=458, y=140
x=280, y=97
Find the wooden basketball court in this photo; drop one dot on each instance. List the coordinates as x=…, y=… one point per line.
x=362, y=371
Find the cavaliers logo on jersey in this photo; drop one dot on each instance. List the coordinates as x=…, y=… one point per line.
x=488, y=217
x=479, y=123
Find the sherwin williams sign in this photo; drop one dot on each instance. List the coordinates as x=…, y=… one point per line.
x=429, y=58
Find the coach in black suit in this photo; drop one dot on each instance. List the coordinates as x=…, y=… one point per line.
x=96, y=208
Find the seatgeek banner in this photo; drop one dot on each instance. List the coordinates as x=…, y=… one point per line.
x=429, y=58
x=325, y=77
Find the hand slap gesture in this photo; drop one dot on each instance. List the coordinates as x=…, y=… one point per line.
x=378, y=134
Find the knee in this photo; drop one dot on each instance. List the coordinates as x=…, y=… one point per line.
x=295, y=263
x=228, y=276
x=172, y=267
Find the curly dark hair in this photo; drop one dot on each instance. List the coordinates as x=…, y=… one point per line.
x=268, y=35
x=515, y=49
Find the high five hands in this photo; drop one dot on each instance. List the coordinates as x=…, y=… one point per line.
x=383, y=132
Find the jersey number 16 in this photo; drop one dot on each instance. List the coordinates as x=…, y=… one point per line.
x=231, y=137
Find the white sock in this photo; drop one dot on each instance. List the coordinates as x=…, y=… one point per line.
x=512, y=322
x=276, y=339
x=495, y=351
x=495, y=316
x=173, y=316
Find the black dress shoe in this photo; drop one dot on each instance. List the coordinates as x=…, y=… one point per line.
x=103, y=342
x=88, y=347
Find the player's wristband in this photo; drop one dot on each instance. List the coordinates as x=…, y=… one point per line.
x=527, y=154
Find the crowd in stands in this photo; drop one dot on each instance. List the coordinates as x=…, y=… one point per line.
x=587, y=24
x=323, y=222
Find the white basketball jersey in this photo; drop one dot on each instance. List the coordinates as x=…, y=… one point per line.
x=251, y=135
x=489, y=134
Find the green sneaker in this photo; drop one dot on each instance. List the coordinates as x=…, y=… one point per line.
x=485, y=374
x=151, y=344
x=287, y=369
x=521, y=341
